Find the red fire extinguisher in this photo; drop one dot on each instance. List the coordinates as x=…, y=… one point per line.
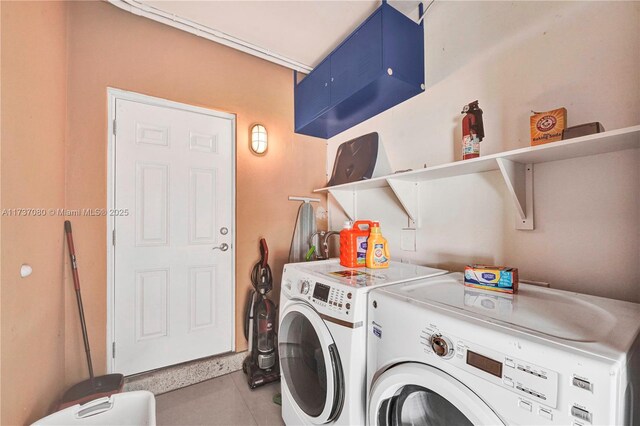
x=472, y=130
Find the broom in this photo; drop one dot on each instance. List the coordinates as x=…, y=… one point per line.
x=94, y=387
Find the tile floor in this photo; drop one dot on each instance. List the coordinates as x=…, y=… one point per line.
x=225, y=400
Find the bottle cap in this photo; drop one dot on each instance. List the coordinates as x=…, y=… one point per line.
x=347, y=224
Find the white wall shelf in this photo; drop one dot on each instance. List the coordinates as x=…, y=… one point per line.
x=516, y=167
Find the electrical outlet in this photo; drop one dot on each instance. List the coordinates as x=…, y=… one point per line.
x=408, y=239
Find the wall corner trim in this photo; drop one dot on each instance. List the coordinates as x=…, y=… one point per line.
x=150, y=12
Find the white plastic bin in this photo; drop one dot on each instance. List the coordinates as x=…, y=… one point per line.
x=128, y=408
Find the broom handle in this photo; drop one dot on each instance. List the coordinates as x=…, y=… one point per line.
x=76, y=285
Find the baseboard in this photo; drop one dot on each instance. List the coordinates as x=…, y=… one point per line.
x=181, y=375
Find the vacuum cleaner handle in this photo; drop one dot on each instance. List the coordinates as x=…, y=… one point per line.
x=264, y=253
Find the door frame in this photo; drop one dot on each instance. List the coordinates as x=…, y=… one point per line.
x=113, y=95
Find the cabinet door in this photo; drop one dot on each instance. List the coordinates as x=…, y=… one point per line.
x=358, y=61
x=312, y=94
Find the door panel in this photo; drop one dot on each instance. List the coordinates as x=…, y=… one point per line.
x=202, y=287
x=173, y=294
x=152, y=289
x=202, y=208
x=152, y=199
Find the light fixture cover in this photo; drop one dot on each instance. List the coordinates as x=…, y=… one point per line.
x=258, y=139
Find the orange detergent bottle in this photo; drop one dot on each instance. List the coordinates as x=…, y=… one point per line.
x=377, y=249
x=353, y=243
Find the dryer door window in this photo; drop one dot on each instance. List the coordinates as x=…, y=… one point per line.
x=310, y=364
x=416, y=405
x=418, y=394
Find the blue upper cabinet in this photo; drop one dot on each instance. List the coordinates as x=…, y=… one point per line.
x=378, y=66
x=312, y=95
x=358, y=60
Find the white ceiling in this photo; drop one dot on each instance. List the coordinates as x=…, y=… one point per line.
x=305, y=31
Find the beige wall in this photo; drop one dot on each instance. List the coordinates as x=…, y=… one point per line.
x=32, y=175
x=93, y=46
x=112, y=48
x=515, y=57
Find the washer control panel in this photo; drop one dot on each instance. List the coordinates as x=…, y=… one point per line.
x=330, y=297
x=326, y=298
x=516, y=375
x=531, y=380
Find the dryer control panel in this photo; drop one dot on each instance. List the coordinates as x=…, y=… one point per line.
x=516, y=375
x=333, y=298
x=328, y=299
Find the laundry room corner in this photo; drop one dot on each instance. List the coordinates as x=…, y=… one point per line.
x=319, y=213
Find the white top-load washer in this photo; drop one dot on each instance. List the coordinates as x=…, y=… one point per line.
x=442, y=353
x=322, y=338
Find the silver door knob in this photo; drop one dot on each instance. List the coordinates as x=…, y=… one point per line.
x=222, y=247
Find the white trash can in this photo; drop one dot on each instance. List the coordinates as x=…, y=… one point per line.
x=128, y=408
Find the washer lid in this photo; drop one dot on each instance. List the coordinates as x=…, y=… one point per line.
x=332, y=271
x=554, y=313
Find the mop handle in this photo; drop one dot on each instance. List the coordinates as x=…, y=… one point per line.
x=76, y=285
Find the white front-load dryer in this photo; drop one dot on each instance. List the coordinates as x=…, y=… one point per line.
x=322, y=338
x=440, y=353
x=314, y=390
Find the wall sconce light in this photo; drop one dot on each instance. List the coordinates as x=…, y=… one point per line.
x=258, y=139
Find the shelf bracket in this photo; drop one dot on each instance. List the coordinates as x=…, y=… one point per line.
x=519, y=180
x=346, y=198
x=407, y=193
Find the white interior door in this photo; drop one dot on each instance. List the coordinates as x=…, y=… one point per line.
x=173, y=253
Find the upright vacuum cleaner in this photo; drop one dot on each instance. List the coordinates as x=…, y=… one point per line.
x=261, y=365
